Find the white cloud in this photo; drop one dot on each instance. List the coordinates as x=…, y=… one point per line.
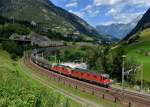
x=118, y=2
x=86, y=11
x=127, y=17
x=91, y=11
x=106, y=2
x=88, y=7
x=95, y=13
x=123, y=17
x=120, y=16
x=112, y=12
x=72, y=4
x=121, y=11
x=140, y=3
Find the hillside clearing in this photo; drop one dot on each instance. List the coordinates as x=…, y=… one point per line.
x=138, y=51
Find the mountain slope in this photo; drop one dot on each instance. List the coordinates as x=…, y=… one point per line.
x=142, y=24
x=119, y=30
x=115, y=30
x=47, y=15
x=138, y=45
x=140, y=51
x=110, y=38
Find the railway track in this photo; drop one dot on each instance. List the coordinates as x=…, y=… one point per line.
x=138, y=97
x=127, y=98
x=146, y=96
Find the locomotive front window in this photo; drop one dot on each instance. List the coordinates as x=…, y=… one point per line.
x=105, y=78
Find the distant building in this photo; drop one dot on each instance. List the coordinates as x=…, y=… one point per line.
x=16, y=36
x=99, y=42
x=36, y=39
x=75, y=35
x=43, y=41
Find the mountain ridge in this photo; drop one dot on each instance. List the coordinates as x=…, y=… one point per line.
x=118, y=30
x=142, y=24
x=48, y=15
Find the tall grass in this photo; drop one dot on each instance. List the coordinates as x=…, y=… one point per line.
x=17, y=90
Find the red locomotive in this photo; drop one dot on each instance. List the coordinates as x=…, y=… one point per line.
x=82, y=74
x=101, y=79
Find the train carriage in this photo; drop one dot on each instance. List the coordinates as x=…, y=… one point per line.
x=62, y=69
x=77, y=73
x=41, y=62
x=102, y=79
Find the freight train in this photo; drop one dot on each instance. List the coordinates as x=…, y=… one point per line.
x=81, y=74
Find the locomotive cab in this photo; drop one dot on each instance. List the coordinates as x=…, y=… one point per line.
x=106, y=79
x=105, y=76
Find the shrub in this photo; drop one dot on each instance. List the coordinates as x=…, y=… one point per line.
x=133, y=39
x=7, y=30
x=14, y=49
x=147, y=25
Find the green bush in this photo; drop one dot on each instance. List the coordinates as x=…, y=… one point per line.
x=147, y=25
x=14, y=49
x=133, y=39
x=7, y=30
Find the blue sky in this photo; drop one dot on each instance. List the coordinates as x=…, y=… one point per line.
x=105, y=12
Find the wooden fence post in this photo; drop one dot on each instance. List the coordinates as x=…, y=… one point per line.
x=103, y=96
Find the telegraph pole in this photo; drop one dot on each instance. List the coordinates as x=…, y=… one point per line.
x=141, y=76
x=36, y=57
x=13, y=16
x=123, y=70
x=55, y=58
x=42, y=55
x=24, y=47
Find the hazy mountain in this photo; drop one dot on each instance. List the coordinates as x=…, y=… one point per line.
x=142, y=24
x=109, y=38
x=117, y=30
x=47, y=15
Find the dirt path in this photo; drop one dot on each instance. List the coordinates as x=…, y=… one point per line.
x=76, y=98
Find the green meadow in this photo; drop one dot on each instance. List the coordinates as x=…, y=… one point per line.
x=18, y=90
x=138, y=51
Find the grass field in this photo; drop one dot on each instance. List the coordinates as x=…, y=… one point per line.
x=144, y=46
x=18, y=90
